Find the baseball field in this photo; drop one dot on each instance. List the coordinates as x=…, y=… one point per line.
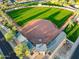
x=56, y=15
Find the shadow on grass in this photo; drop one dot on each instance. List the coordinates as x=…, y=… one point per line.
x=52, y=19
x=75, y=35
x=16, y=13
x=60, y=22
x=63, y=20
x=30, y=18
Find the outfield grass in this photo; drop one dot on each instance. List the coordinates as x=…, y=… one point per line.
x=72, y=32
x=56, y=15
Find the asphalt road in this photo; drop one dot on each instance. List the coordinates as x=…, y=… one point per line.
x=6, y=48
x=75, y=55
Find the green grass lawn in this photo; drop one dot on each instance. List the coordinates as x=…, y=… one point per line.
x=72, y=32
x=55, y=15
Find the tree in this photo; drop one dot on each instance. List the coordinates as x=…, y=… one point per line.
x=22, y=50
x=5, y=1
x=27, y=52
x=18, y=50
x=71, y=24
x=1, y=56
x=9, y=35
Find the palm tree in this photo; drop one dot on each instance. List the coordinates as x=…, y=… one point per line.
x=71, y=24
